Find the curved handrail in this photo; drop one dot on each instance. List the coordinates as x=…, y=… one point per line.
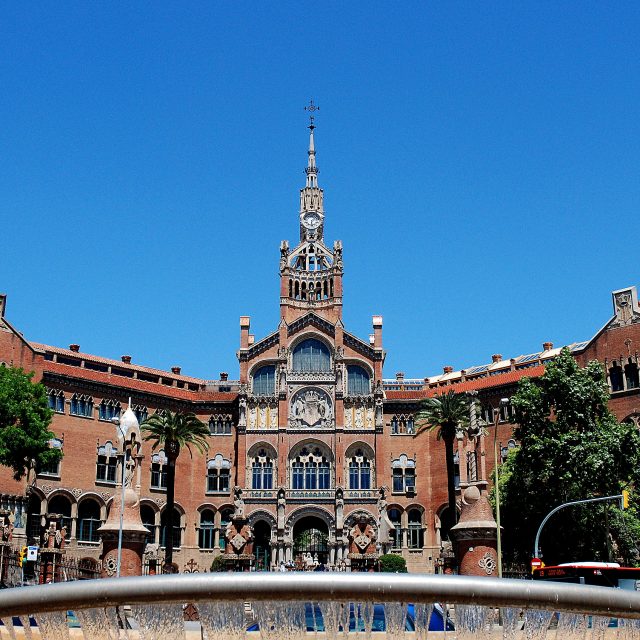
x=355, y=587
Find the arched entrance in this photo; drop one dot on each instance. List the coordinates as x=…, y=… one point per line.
x=311, y=542
x=262, y=545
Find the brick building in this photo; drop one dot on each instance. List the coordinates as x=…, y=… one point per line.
x=311, y=431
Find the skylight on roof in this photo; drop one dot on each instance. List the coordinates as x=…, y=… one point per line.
x=473, y=370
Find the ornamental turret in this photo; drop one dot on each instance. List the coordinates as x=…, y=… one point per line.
x=311, y=273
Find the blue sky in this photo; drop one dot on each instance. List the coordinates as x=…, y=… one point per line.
x=480, y=163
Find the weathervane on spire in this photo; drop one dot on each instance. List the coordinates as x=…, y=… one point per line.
x=311, y=108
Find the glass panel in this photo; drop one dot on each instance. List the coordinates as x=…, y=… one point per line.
x=298, y=477
x=267, y=477
x=256, y=478
x=311, y=355
x=398, y=480
x=365, y=476
x=264, y=381
x=357, y=381
x=324, y=478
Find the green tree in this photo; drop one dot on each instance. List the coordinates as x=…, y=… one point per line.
x=173, y=432
x=571, y=448
x=392, y=563
x=24, y=423
x=447, y=413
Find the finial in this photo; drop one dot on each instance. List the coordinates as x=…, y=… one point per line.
x=311, y=108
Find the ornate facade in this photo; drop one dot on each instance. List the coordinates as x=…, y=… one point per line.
x=313, y=455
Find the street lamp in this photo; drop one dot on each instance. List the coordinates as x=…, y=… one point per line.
x=496, y=418
x=121, y=436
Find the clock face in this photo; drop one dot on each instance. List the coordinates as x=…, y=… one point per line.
x=311, y=220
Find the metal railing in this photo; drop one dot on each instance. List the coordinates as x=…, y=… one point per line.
x=318, y=587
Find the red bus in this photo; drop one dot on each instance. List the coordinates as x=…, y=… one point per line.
x=602, y=574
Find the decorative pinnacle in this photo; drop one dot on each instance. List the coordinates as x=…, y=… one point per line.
x=311, y=108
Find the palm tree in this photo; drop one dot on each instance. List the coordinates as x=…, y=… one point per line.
x=174, y=431
x=446, y=413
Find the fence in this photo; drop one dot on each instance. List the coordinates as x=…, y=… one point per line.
x=51, y=566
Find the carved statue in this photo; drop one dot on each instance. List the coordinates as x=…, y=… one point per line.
x=379, y=411
x=284, y=254
x=623, y=308
x=242, y=411
x=282, y=383
x=339, y=378
x=238, y=503
x=6, y=521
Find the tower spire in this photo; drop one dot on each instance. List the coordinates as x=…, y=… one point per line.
x=312, y=169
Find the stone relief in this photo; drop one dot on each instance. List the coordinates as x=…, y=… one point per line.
x=359, y=416
x=263, y=414
x=311, y=408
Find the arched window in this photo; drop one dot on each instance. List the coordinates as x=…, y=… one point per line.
x=89, y=521
x=262, y=471
x=34, y=520
x=220, y=425
x=310, y=470
x=357, y=381
x=403, y=425
x=148, y=517
x=81, y=405
x=631, y=375
x=311, y=355
x=415, y=529
x=264, y=381
x=615, y=376
x=107, y=463
x=177, y=529
x=56, y=400
x=206, y=536
x=359, y=471
x=61, y=506
x=218, y=475
x=225, y=519
x=108, y=410
x=141, y=412
x=404, y=474
x=159, y=470
x=396, y=532
x=52, y=468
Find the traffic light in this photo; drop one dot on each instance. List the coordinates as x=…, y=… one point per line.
x=625, y=499
x=22, y=556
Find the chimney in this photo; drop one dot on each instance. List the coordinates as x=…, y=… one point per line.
x=74, y=347
x=400, y=376
x=126, y=359
x=176, y=370
x=496, y=357
x=377, y=332
x=547, y=346
x=448, y=369
x=245, y=323
x=224, y=376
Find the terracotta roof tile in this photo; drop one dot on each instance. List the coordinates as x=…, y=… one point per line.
x=138, y=385
x=468, y=385
x=118, y=363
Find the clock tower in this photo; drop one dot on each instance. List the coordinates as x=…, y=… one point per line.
x=311, y=273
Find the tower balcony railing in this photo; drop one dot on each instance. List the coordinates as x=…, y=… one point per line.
x=153, y=607
x=306, y=377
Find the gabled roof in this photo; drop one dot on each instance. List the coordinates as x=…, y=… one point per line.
x=314, y=320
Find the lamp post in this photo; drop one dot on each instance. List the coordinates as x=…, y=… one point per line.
x=496, y=419
x=121, y=436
